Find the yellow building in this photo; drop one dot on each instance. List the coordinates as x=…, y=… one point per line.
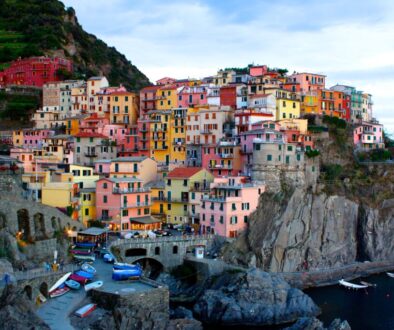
x=166, y=98
x=178, y=135
x=160, y=135
x=142, y=168
x=57, y=194
x=309, y=103
x=87, y=205
x=287, y=105
x=83, y=176
x=72, y=124
x=180, y=194
x=124, y=108
x=17, y=138
x=298, y=124
x=157, y=197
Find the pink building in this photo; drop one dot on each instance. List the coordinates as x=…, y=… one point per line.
x=222, y=159
x=226, y=210
x=33, y=138
x=122, y=201
x=259, y=70
x=368, y=136
x=102, y=167
x=308, y=81
x=191, y=96
x=26, y=156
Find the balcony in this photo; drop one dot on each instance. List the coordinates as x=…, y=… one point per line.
x=91, y=154
x=134, y=205
x=130, y=190
x=143, y=129
x=161, y=148
x=206, y=131
x=178, y=143
x=226, y=155
x=193, y=215
x=220, y=167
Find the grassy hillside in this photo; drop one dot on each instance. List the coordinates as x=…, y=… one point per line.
x=46, y=27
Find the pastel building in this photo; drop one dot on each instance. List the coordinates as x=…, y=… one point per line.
x=143, y=168
x=222, y=159
x=30, y=138
x=87, y=205
x=191, y=96
x=90, y=147
x=287, y=105
x=124, y=108
x=180, y=194
x=368, y=136
x=226, y=210
x=123, y=202
x=309, y=81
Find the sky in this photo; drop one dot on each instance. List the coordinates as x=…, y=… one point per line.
x=350, y=41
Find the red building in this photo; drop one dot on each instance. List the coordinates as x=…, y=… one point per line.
x=148, y=99
x=346, y=107
x=34, y=71
x=228, y=96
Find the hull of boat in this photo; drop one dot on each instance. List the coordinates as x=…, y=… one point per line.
x=122, y=266
x=59, y=282
x=94, y=285
x=79, y=279
x=84, y=274
x=85, y=310
x=73, y=284
x=125, y=274
x=89, y=269
x=59, y=292
x=85, y=258
x=85, y=245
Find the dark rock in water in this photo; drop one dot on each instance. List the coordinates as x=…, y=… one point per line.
x=253, y=298
x=312, y=323
x=184, y=324
x=16, y=313
x=182, y=313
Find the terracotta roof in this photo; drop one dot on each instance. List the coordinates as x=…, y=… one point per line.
x=169, y=87
x=121, y=93
x=184, y=172
x=90, y=134
x=150, y=88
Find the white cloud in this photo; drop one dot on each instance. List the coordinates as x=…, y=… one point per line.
x=347, y=40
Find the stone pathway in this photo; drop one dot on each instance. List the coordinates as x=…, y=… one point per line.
x=55, y=312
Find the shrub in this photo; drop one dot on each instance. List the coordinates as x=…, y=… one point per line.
x=312, y=153
x=332, y=172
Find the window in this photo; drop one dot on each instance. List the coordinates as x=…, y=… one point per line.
x=125, y=213
x=175, y=249
x=78, y=149
x=105, y=199
x=245, y=219
x=257, y=146
x=233, y=207
x=168, y=182
x=91, y=139
x=193, y=195
x=289, y=148
x=78, y=139
x=135, y=168
x=105, y=185
x=284, y=104
x=86, y=211
x=269, y=158
x=169, y=207
x=185, y=183
x=298, y=157
x=157, y=250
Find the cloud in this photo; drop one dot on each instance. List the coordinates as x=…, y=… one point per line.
x=348, y=40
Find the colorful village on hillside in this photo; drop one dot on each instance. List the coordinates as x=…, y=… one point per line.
x=195, y=152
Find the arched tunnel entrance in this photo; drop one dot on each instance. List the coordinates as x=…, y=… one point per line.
x=151, y=267
x=24, y=224
x=44, y=289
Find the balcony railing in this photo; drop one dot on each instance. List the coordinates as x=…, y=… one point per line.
x=141, y=204
x=91, y=154
x=221, y=167
x=130, y=190
x=226, y=155
x=206, y=131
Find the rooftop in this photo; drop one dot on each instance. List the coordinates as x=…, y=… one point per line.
x=184, y=172
x=93, y=231
x=145, y=220
x=130, y=159
x=90, y=134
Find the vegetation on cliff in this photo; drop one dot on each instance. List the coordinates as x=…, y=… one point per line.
x=46, y=27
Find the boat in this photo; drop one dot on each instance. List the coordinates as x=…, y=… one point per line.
x=108, y=257
x=85, y=244
x=126, y=274
x=120, y=266
x=84, y=257
x=79, y=279
x=82, y=273
x=94, y=285
x=59, y=282
x=368, y=284
x=390, y=274
x=41, y=297
x=72, y=284
x=85, y=310
x=59, y=292
x=80, y=252
x=350, y=285
x=89, y=269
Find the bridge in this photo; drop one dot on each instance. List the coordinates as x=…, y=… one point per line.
x=37, y=281
x=167, y=252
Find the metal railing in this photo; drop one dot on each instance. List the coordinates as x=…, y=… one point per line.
x=182, y=238
x=41, y=272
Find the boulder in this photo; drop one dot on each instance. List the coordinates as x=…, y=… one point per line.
x=312, y=323
x=253, y=298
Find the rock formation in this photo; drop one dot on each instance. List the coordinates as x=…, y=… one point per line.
x=312, y=323
x=253, y=298
x=302, y=230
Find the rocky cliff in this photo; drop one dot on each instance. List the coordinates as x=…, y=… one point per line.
x=303, y=230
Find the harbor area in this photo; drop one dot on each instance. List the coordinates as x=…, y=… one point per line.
x=58, y=312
